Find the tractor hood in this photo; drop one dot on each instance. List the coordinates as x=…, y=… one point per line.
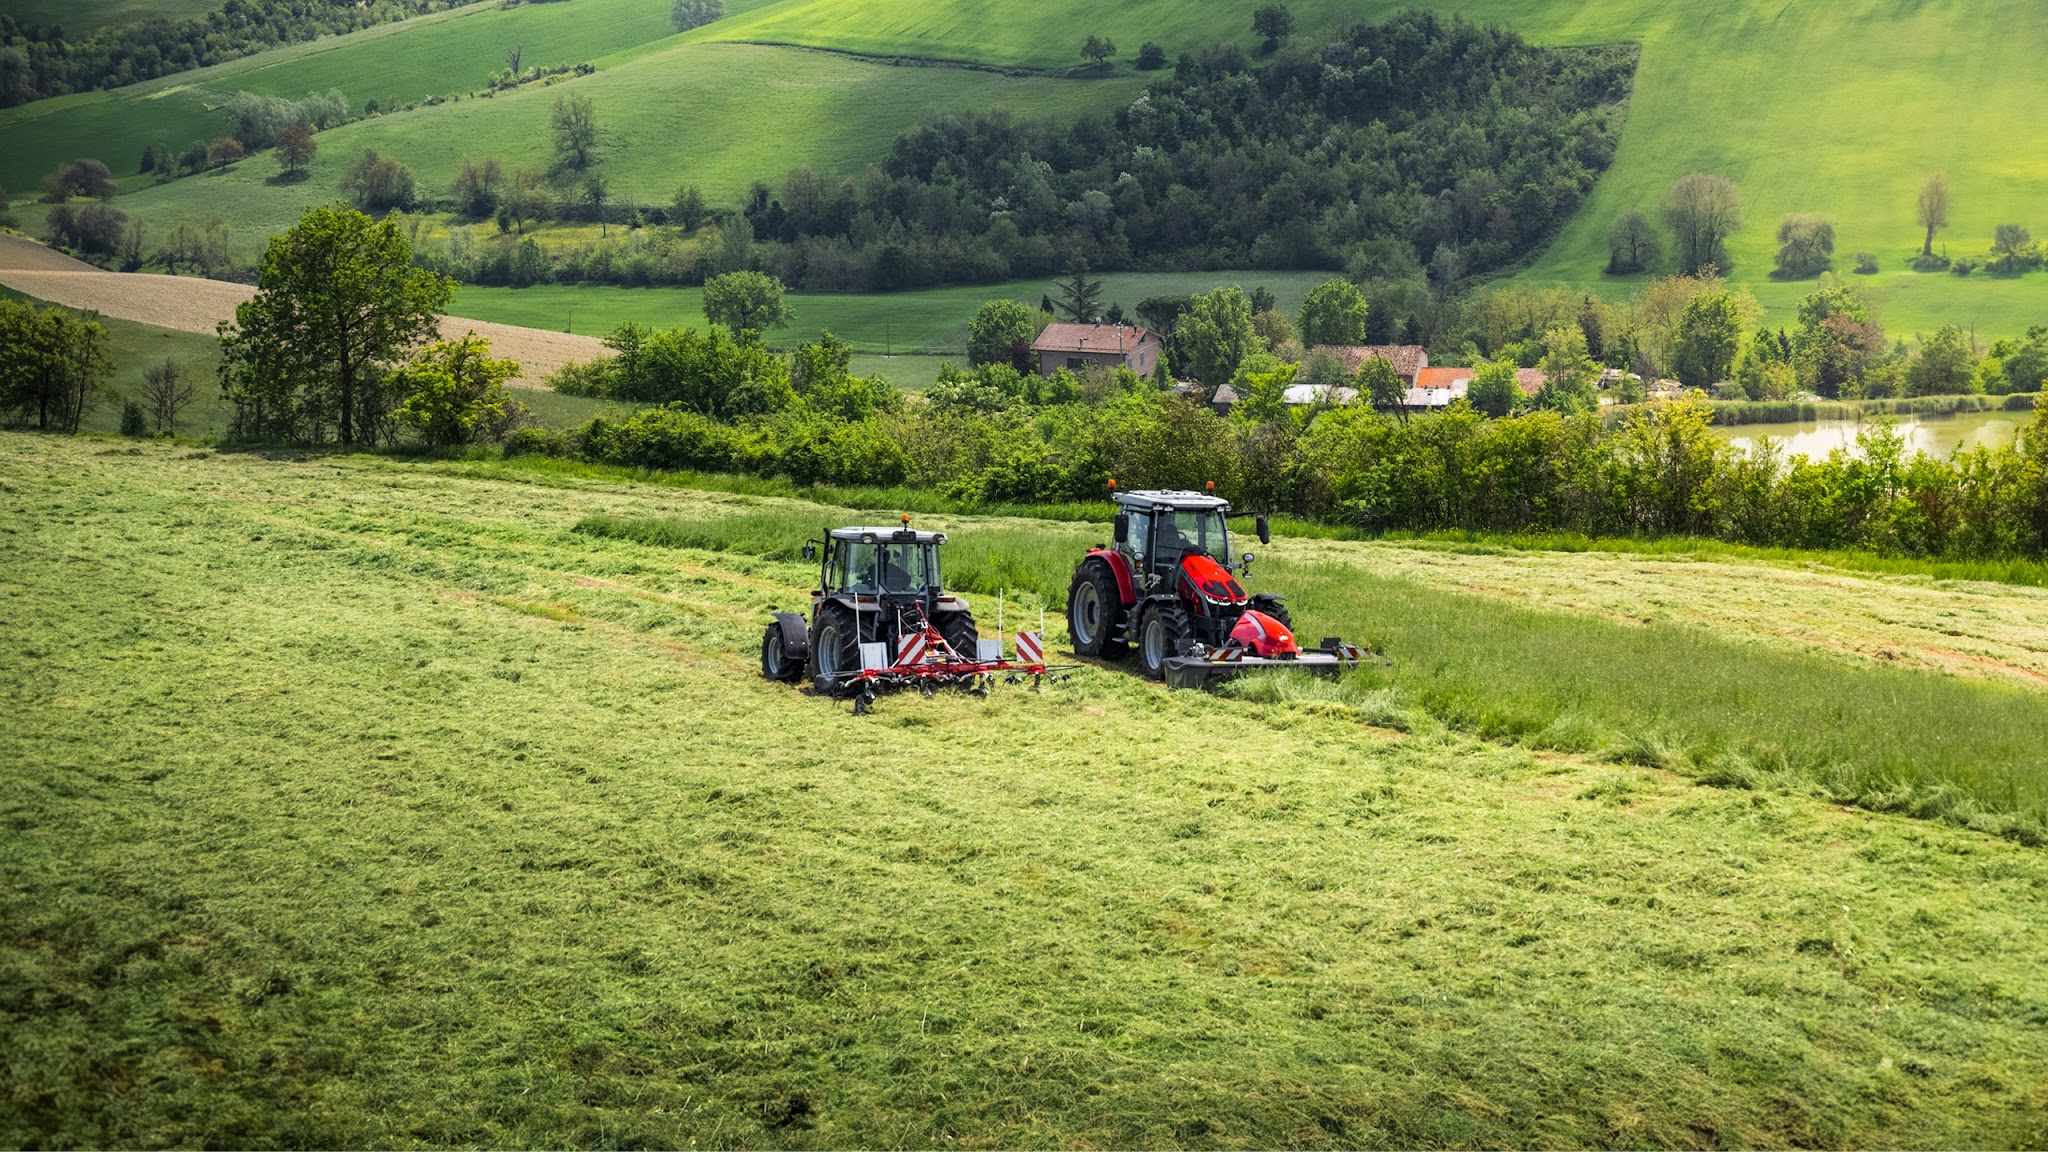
x=1212, y=579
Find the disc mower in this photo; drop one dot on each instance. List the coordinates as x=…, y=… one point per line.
x=1168, y=587
x=881, y=619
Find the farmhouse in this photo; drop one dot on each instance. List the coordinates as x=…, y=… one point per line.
x=1438, y=387
x=1530, y=380
x=1408, y=359
x=1078, y=346
x=1298, y=395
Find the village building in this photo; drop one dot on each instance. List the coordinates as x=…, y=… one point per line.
x=1077, y=347
x=1530, y=380
x=1439, y=387
x=1408, y=360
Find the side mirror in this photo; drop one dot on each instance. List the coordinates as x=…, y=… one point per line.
x=1265, y=529
x=810, y=552
x=1123, y=527
x=1244, y=560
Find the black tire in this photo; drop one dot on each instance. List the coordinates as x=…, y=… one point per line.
x=1162, y=633
x=835, y=650
x=1094, y=612
x=774, y=664
x=960, y=633
x=1276, y=608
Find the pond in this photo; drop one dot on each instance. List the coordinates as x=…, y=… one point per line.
x=1934, y=435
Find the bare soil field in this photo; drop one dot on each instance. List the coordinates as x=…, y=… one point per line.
x=195, y=304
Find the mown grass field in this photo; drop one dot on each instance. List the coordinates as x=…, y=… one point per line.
x=357, y=802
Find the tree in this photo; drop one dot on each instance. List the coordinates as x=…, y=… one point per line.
x=1000, y=330
x=1333, y=313
x=1216, y=335
x=1837, y=340
x=1261, y=382
x=1632, y=245
x=337, y=298
x=148, y=164
x=576, y=132
x=452, y=392
x=512, y=59
x=746, y=302
x=1275, y=23
x=688, y=14
x=1151, y=57
x=1704, y=210
x=53, y=365
x=85, y=177
x=1709, y=334
x=1568, y=373
x=378, y=183
x=597, y=192
x=1080, y=297
x=1945, y=366
x=2010, y=242
x=1381, y=386
x=1933, y=209
x=223, y=151
x=165, y=393
x=527, y=198
x=475, y=189
x=1495, y=389
x=687, y=210
x=1806, y=244
x=295, y=146
x=1098, y=48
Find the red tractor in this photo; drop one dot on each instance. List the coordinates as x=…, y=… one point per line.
x=1168, y=587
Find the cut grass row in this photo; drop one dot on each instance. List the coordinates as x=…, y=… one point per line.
x=362, y=804
x=1670, y=696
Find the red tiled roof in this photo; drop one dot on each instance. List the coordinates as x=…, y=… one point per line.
x=1119, y=339
x=1407, y=359
x=1530, y=380
x=1441, y=377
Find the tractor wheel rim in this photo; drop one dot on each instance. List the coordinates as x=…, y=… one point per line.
x=771, y=655
x=1155, y=642
x=828, y=651
x=1086, y=611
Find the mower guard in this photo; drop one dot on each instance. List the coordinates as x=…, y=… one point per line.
x=1333, y=657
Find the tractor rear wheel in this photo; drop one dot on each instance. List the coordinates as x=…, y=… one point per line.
x=835, y=650
x=1094, y=610
x=961, y=634
x=1162, y=633
x=775, y=665
x=1272, y=606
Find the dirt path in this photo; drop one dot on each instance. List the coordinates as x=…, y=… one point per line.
x=193, y=304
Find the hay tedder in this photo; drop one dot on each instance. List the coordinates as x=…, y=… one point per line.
x=882, y=620
x=1168, y=587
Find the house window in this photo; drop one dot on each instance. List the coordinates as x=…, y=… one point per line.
x=1076, y=363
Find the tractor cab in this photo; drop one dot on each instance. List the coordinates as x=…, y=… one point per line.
x=1170, y=538
x=890, y=562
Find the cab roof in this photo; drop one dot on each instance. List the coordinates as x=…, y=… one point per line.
x=1160, y=498
x=891, y=533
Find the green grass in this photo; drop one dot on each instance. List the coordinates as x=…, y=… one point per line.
x=717, y=115
x=355, y=802
x=1725, y=709
x=82, y=16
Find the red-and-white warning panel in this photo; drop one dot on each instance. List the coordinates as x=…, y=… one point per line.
x=910, y=649
x=1030, y=648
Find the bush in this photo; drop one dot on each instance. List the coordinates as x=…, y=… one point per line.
x=1866, y=264
x=668, y=438
x=534, y=440
x=1806, y=244
x=1151, y=57
x=1963, y=267
x=1930, y=262
x=132, y=421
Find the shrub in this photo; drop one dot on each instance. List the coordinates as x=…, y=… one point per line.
x=133, y=423
x=1963, y=267
x=1930, y=262
x=1151, y=57
x=1806, y=244
x=535, y=440
x=1866, y=264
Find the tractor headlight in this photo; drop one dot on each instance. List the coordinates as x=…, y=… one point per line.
x=868, y=538
x=940, y=538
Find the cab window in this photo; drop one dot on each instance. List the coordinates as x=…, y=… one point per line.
x=1196, y=531
x=908, y=567
x=1139, y=538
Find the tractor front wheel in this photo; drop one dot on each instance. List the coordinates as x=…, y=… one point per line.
x=775, y=664
x=1094, y=609
x=835, y=650
x=1162, y=633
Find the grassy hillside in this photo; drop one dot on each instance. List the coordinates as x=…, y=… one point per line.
x=718, y=115
x=81, y=16
x=394, y=64
x=1809, y=105
x=564, y=871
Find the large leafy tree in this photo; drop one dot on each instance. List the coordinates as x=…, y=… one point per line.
x=1704, y=210
x=1932, y=209
x=746, y=302
x=1495, y=388
x=1709, y=334
x=1216, y=335
x=998, y=329
x=453, y=392
x=337, y=301
x=1333, y=313
x=53, y=365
